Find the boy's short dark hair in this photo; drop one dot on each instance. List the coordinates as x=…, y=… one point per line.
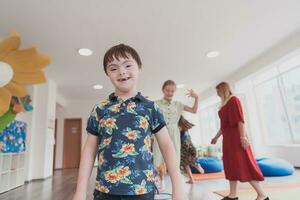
x=120, y=51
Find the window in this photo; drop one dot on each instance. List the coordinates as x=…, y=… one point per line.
x=291, y=91
x=278, y=97
x=209, y=122
x=271, y=110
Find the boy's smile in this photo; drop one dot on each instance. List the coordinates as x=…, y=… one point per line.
x=123, y=79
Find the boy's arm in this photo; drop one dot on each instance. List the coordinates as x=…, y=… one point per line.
x=168, y=151
x=86, y=166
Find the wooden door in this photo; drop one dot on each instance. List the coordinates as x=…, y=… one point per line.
x=72, y=143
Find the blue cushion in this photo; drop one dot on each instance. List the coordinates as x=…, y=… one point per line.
x=209, y=164
x=275, y=167
x=259, y=158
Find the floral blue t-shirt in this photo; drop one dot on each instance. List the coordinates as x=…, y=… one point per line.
x=124, y=128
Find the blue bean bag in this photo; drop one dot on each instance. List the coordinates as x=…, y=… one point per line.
x=275, y=167
x=209, y=164
x=259, y=158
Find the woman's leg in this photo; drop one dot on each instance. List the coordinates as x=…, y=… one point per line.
x=259, y=190
x=233, y=188
x=189, y=172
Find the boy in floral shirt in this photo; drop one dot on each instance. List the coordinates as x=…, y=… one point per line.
x=120, y=130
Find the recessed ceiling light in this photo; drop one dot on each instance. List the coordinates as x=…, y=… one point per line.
x=212, y=54
x=85, y=52
x=98, y=87
x=180, y=85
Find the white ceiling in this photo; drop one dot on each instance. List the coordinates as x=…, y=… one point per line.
x=171, y=36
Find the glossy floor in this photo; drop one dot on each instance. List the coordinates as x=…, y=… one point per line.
x=62, y=185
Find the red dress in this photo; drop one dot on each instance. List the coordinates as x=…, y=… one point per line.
x=239, y=164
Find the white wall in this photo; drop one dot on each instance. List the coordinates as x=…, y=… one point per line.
x=71, y=109
x=59, y=137
x=50, y=128
x=27, y=118
x=40, y=131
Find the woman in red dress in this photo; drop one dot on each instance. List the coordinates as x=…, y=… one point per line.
x=239, y=163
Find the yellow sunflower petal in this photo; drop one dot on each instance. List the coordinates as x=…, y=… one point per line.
x=29, y=78
x=16, y=89
x=5, y=97
x=9, y=44
x=27, y=60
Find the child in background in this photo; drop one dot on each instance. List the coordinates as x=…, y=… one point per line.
x=172, y=110
x=188, y=151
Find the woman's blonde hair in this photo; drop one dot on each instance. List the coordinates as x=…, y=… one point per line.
x=224, y=91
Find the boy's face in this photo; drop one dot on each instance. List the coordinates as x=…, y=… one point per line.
x=123, y=74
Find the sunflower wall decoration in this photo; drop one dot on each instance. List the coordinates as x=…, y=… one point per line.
x=18, y=69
